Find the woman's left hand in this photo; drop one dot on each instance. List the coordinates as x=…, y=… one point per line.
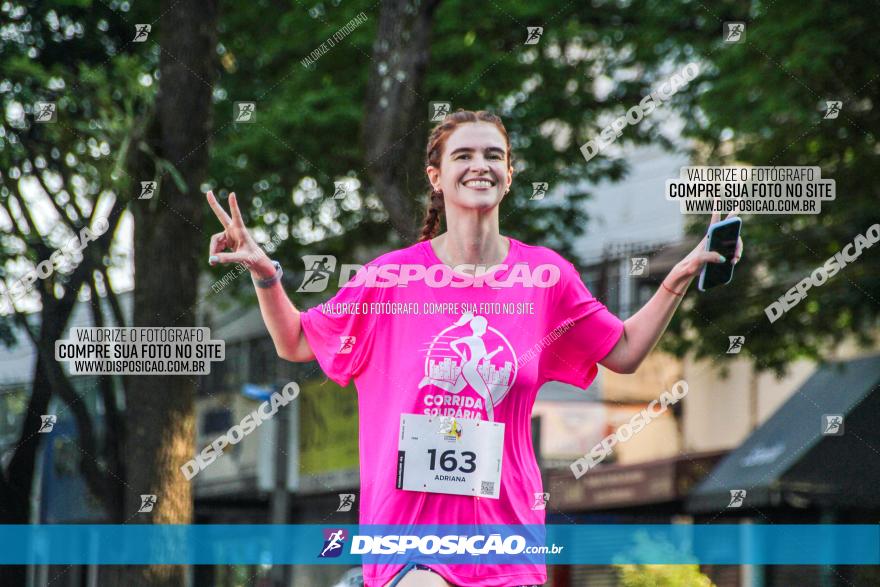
x=691, y=265
x=643, y=329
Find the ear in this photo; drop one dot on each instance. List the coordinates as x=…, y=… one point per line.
x=433, y=176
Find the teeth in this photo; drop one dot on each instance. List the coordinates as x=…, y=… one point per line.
x=479, y=183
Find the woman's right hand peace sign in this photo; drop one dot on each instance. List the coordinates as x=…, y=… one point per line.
x=236, y=237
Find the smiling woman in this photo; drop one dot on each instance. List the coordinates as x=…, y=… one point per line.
x=467, y=136
x=458, y=367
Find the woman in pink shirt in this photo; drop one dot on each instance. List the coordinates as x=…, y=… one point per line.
x=513, y=316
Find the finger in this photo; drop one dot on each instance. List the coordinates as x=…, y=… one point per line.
x=236, y=213
x=733, y=213
x=710, y=257
x=221, y=214
x=716, y=216
x=218, y=243
x=226, y=258
x=739, y=250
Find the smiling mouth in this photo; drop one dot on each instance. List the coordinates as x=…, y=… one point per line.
x=478, y=184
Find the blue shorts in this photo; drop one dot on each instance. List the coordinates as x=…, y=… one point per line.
x=418, y=566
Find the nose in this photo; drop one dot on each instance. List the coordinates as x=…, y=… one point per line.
x=479, y=164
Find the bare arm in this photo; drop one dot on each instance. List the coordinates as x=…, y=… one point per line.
x=643, y=330
x=454, y=346
x=282, y=320
x=281, y=317
x=495, y=352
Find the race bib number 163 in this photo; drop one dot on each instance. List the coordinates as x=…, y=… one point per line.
x=441, y=454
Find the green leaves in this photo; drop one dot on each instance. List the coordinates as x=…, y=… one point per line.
x=771, y=91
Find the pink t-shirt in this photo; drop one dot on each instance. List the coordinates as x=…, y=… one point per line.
x=402, y=362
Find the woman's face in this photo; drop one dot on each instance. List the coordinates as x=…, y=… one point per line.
x=473, y=150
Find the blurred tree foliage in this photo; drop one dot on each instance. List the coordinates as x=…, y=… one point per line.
x=309, y=130
x=636, y=567
x=663, y=576
x=762, y=102
x=55, y=179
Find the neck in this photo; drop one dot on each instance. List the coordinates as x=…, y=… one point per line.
x=471, y=239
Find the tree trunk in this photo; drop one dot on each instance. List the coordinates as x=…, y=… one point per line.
x=160, y=409
x=15, y=488
x=395, y=112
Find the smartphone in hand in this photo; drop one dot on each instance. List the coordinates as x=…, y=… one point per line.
x=721, y=238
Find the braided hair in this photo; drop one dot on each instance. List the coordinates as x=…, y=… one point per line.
x=434, y=207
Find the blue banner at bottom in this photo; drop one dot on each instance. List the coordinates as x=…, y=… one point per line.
x=722, y=544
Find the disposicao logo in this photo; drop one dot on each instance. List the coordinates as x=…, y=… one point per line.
x=334, y=540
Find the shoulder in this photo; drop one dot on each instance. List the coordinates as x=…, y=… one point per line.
x=565, y=276
x=539, y=255
x=411, y=254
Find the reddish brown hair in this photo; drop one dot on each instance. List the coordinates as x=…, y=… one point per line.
x=436, y=144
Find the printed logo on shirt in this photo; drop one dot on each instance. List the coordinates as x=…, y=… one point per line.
x=473, y=363
x=334, y=540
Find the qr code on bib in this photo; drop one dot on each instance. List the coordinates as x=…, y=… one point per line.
x=487, y=487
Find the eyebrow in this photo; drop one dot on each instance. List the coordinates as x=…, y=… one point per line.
x=469, y=150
